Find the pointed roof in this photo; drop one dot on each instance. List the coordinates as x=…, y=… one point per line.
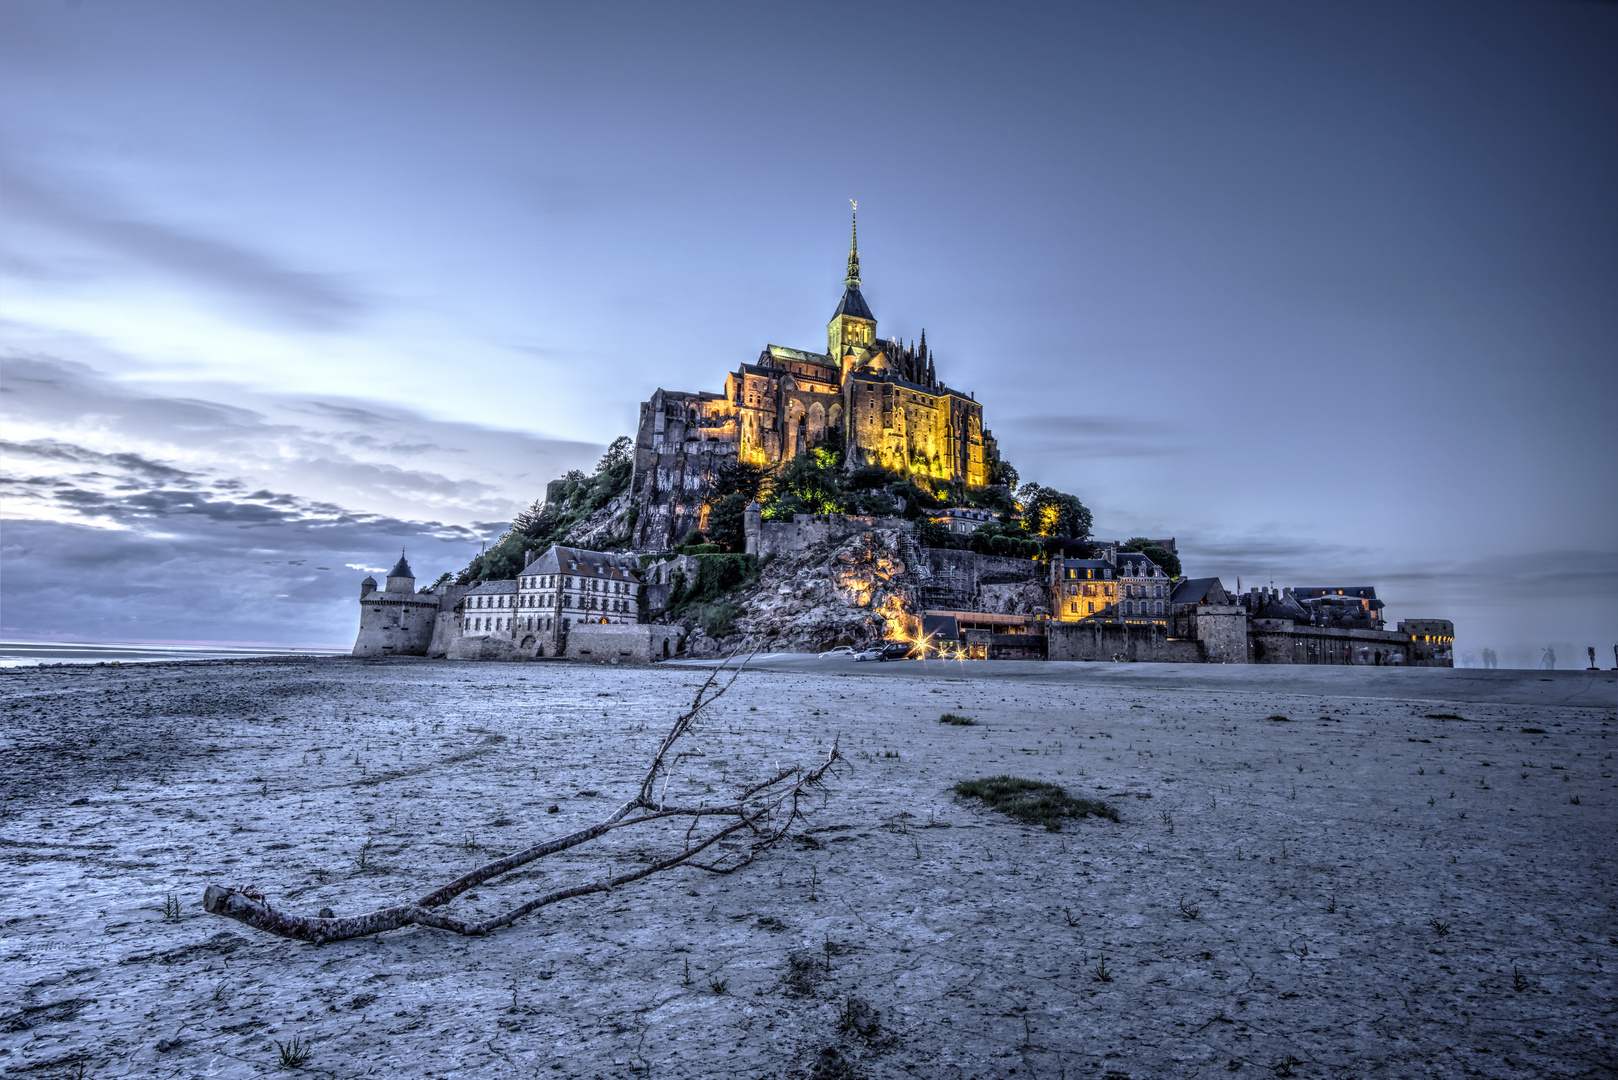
x=853, y=303
x=401, y=568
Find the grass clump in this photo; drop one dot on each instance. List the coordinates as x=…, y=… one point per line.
x=1033, y=801
x=957, y=719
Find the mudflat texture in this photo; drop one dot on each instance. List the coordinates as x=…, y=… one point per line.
x=1376, y=874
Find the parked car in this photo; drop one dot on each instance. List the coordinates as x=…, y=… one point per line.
x=842, y=652
x=873, y=653
x=896, y=650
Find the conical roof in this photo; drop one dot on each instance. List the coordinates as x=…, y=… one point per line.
x=853, y=304
x=401, y=568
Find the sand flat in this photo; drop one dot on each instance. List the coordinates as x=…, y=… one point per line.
x=1395, y=880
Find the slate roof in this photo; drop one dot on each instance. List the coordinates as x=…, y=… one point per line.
x=605, y=565
x=401, y=568
x=1195, y=590
x=492, y=587
x=853, y=304
x=1133, y=559
x=1358, y=592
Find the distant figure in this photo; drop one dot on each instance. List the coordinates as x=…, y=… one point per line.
x=1489, y=659
x=1592, y=651
x=1466, y=658
x=1548, y=661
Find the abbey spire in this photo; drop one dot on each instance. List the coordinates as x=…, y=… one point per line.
x=852, y=324
x=852, y=280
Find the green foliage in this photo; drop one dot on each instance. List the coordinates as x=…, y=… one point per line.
x=1049, y=512
x=1004, y=474
x=1154, y=551
x=619, y=452
x=717, y=576
x=931, y=534
x=1010, y=541
x=719, y=618
x=1033, y=801
x=547, y=523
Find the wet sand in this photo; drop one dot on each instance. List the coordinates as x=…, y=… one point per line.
x=1412, y=874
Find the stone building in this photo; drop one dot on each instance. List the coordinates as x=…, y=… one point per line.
x=395, y=620
x=1119, y=585
x=557, y=591
x=870, y=401
x=1083, y=588
x=1432, y=642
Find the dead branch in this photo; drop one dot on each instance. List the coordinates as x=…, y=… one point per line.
x=764, y=811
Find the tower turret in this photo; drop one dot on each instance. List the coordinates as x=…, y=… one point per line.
x=400, y=578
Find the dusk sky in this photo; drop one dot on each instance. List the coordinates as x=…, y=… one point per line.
x=1327, y=292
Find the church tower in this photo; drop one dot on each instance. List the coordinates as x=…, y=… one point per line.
x=852, y=327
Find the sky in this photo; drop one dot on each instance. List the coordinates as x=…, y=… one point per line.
x=1325, y=292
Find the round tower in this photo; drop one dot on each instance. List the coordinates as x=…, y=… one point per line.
x=367, y=587
x=753, y=526
x=400, y=579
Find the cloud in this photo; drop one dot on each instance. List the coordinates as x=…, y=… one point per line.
x=203, y=578
x=173, y=516
x=1090, y=436
x=55, y=450
x=295, y=297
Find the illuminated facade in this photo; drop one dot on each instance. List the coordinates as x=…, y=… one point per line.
x=872, y=401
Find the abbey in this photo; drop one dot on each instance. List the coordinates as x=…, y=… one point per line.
x=868, y=400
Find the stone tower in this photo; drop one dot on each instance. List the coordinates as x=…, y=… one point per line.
x=395, y=620
x=852, y=330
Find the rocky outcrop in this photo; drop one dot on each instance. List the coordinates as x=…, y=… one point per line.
x=605, y=530
x=853, y=591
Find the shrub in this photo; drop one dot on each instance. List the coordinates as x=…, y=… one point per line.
x=956, y=719
x=1033, y=801
x=718, y=619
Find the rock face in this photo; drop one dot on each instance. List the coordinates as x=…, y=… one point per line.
x=604, y=530
x=850, y=592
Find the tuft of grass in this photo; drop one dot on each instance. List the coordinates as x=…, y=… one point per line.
x=1033, y=801
x=1279, y=719
x=1190, y=911
x=1573, y=800
x=1439, y=927
x=295, y=1053
x=718, y=985
x=1101, y=973
x=957, y=720
x=171, y=908
x=1519, y=981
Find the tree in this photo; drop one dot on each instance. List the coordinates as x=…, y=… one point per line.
x=1002, y=472
x=1154, y=551
x=619, y=452
x=1049, y=512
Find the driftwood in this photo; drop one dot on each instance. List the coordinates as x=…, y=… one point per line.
x=764, y=812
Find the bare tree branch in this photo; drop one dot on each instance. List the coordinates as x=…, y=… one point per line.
x=765, y=810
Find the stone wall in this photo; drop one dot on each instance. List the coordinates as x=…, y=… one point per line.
x=604, y=643
x=806, y=530
x=1281, y=641
x=1135, y=642
x=398, y=623
x=1222, y=632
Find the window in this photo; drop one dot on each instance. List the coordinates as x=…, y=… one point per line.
x=1092, y=607
x=1073, y=608
x=1158, y=607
